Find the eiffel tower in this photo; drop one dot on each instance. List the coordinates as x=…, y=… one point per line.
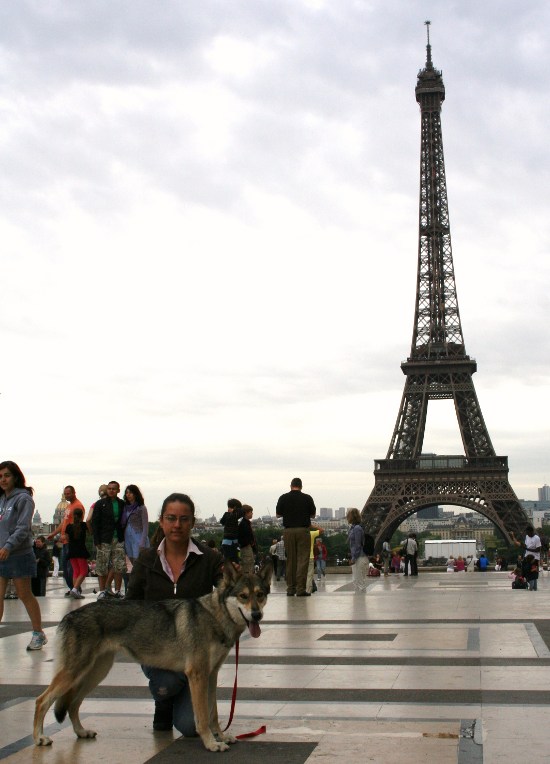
x=438, y=368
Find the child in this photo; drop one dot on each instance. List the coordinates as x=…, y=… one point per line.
x=530, y=571
x=78, y=553
x=56, y=554
x=518, y=581
x=43, y=560
x=230, y=522
x=395, y=563
x=247, y=541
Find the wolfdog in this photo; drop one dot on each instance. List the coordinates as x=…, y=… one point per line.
x=192, y=636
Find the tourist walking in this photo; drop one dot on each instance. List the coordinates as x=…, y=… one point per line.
x=230, y=522
x=247, y=541
x=135, y=521
x=274, y=557
x=386, y=555
x=297, y=509
x=410, y=548
x=358, y=559
x=109, y=539
x=320, y=555
x=78, y=552
x=17, y=560
x=73, y=503
x=43, y=561
x=281, y=559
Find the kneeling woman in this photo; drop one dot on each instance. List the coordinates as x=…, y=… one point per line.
x=175, y=568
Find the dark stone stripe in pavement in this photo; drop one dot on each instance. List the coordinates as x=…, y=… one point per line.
x=11, y=629
x=393, y=621
x=473, y=640
x=245, y=750
x=294, y=695
x=346, y=660
x=543, y=628
x=354, y=637
x=463, y=583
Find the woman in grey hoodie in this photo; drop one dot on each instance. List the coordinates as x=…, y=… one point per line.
x=17, y=560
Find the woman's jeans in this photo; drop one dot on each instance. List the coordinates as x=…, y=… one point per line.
x=67, y=567
x=165, y=684
x=321, y=565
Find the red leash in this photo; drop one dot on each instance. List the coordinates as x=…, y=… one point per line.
x=261, y=730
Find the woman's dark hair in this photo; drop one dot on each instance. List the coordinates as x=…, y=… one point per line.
x=78, y=516
x=18, y=477
x=137, y=493
x=183, y=498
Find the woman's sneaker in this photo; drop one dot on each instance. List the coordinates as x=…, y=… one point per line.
x=38, y=640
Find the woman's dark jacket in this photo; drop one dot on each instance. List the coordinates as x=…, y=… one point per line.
x=148, y=581
x=104, y=526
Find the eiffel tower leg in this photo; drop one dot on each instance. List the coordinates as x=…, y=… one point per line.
x=408, y=434
x=473, y=430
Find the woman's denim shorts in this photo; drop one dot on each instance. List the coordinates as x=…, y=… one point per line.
x=19, y=566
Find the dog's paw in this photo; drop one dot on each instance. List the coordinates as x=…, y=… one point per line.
x=216, y=745
x=82, y=733
x=43, y=740
x=227, y=738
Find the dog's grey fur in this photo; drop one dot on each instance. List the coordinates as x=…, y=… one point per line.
x=192, y=636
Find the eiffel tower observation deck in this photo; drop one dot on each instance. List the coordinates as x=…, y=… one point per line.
x=438, y=368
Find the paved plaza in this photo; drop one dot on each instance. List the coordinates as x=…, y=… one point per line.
x=444, y=668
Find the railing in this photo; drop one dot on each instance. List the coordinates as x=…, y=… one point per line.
x=442, y=463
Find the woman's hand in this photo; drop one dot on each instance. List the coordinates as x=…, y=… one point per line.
x=4, y=554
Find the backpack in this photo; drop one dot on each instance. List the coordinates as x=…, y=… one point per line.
x=368, y=545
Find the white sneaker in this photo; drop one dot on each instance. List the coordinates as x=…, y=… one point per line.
x=38, y=640
x=76, y=595
x=102, y=595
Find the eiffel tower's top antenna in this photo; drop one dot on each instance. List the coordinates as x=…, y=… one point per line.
x=429, y=64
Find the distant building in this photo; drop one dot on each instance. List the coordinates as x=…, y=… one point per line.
x=326, y=513
x=538, y=512
x=544, y=493
x=430, y=513
x=465, y=526
x=36, y=520
x=340, y=513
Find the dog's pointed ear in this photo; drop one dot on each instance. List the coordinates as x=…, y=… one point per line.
x=230, y=572
x=266, y=572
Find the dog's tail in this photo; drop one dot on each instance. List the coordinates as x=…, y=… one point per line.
x=62, y=705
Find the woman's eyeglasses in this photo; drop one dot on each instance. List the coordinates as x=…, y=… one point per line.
x=173, y=519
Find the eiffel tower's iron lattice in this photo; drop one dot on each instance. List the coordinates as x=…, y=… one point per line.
x=438, y=368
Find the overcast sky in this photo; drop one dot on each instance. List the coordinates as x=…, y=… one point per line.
x=209, y=225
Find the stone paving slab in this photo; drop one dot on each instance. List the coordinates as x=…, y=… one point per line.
x=455, y=671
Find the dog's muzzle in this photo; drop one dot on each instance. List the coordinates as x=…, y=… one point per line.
x=254, y=622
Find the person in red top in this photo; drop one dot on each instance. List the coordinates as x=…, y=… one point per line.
x=70, y=496
x=320, y=554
